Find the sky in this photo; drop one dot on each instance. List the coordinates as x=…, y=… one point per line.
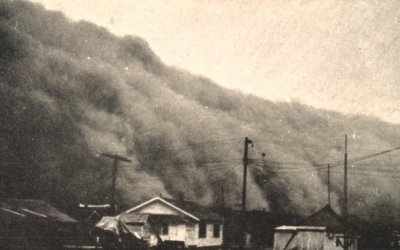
x=341, y=55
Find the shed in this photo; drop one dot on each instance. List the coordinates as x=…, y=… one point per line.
x=299, y=237
x=322, y=230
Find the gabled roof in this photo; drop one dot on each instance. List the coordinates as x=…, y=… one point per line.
x=188, y=208
x=326, y=217
x=34, y=209
x=201, y=212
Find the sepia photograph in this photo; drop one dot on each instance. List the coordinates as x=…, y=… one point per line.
x=200, y=124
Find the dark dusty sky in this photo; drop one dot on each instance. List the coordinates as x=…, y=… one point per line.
x=338, y=55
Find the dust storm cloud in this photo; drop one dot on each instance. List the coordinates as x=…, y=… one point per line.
x=71, y=91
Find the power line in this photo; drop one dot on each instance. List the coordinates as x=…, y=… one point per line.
x=373, y=155
x=289, y=169
x=357, y=159
x=279, y=162
x=297, y=144
x=372, y=175
x=188, y=173
x=199, y=165
x=191, y=145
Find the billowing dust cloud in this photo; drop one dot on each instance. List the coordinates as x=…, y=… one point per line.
x=72, y=91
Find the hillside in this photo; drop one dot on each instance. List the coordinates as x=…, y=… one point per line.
x=71, y=91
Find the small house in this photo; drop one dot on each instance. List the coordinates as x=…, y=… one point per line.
x=160, y=219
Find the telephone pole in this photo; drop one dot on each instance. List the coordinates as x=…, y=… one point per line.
x=329, y=185
x=223, y=199
x=116, y=158
x=247, y=141
x=345, y=199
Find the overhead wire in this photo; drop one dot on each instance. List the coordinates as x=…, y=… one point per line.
x=191, y=145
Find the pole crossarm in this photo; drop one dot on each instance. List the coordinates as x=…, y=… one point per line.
x=117, y=156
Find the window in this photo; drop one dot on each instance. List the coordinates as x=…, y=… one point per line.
x=163, y=229
x=202, y=230
x=216, y=230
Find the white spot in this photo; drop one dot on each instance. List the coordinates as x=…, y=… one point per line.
x=126, y=68
x=88, y=57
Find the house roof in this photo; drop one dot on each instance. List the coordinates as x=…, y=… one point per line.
x=188, y=208
x=325, y=217
x=109, y=223
x=38, y=209
x=10, y=216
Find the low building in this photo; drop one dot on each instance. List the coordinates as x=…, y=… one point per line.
x=322, y=230
x=29, y=224
x=160, y=220
x=303, y=237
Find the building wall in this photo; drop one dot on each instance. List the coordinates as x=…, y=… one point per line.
x=281, y=238
x=192, y=234
x=189, y=234
x=209, y=240
x=175, y=232
x=310, y=240
x=330, y=243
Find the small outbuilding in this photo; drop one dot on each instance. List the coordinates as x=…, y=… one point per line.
x=323, y=230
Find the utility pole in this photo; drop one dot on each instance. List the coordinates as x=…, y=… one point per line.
x=223, y=199
x=329, y=185
x=345, y=199
x=116, y=158
x=247, y=141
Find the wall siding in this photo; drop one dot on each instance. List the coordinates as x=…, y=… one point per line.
x=209, y=240
x=309, y=240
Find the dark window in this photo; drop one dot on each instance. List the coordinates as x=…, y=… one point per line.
x=163, y=229
x=216, y=230
x=202, y=230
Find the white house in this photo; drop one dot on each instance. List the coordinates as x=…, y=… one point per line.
x=162, y=219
